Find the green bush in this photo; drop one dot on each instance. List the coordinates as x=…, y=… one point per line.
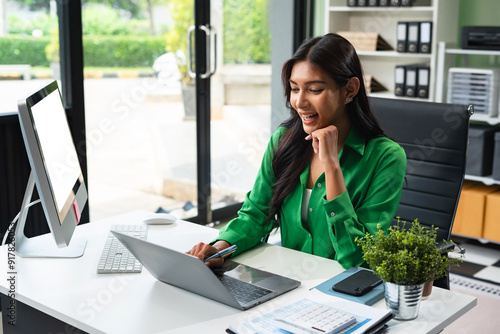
x=99, y=51
x=23, y=50
x=247, y=38
x=25, y=26
x=122, y=51
x=104, y=20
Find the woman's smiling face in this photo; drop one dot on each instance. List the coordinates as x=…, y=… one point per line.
x=316, y=97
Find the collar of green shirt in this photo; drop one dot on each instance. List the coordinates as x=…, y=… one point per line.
x=355, y=141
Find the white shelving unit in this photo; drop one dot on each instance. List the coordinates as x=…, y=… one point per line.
x=383, y=20
x=445, y=50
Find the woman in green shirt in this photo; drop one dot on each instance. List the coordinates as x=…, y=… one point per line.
x=329, y=173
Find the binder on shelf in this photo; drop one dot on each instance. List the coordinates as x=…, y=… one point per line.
x=384, y=3
x=362, y=3
x=399, y=80
x=425, y=37
x=365, y=41
x=423, y=75
x=411, y=81
x=372, y=85
x=352, y=3
x=413, y=35
x=406, y=3
x=373, y=3
x=395, y=3
x=401, y=37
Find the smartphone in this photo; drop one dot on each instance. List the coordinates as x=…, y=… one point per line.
x=358, y=283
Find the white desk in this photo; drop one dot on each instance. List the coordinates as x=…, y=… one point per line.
x=71, y=290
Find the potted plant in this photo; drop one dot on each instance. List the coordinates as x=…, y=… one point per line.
x=405, y=259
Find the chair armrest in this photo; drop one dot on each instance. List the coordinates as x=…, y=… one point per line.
x=446, y=247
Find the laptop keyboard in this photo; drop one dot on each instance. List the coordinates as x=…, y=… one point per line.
x=243, y=292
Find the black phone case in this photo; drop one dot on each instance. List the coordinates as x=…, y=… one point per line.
x=358, y=283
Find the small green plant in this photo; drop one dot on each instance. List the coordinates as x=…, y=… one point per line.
x=406, y=256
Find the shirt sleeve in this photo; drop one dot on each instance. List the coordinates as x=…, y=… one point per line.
x=250, y=226
x=379, y=205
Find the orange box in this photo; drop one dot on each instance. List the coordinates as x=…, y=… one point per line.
x=469, y=217
x=491, y=229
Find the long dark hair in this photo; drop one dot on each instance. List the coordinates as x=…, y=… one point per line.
x=335, y=56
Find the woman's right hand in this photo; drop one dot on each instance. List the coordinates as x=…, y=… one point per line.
x=202, y=251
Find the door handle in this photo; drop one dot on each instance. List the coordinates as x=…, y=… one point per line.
x=210, y=34
x=190, y=59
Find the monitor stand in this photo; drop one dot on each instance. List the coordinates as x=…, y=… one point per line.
x=45, y=245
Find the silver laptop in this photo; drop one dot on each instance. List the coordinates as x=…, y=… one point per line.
x=233, y=284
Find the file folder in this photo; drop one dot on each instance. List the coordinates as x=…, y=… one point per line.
x=425, y=37
x=423, y=74
x=411, y=81
x=399, y=80
x=401, y=31
x=365, y=41
x=413, y=35
x=372, y=85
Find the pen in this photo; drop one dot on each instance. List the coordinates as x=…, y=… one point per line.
x=223, y=253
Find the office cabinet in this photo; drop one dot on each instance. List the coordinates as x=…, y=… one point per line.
x=443, y=14
x=446, y=60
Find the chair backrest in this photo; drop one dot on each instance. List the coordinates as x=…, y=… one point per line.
x=434, y=137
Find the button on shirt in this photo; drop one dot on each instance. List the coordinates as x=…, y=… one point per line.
x=373, y=173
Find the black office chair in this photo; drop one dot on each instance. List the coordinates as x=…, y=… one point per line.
x=434, y=137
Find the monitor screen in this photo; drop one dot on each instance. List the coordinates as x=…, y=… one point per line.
x=56, y=146
x=54, y=162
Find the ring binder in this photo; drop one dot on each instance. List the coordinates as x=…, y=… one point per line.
x=402, y=32
x=423, y=81
x=411, y=81
x=399, y=80
x=413, y=36
x=425, y=37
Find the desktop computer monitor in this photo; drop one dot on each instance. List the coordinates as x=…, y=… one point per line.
x=56, y=171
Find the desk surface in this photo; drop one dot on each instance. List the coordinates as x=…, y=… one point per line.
x=72, y=291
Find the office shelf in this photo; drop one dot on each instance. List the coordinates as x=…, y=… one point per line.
x=381, y=64
x=487, y=180
x=412, y=9
x=444, y=63
x=443, y=66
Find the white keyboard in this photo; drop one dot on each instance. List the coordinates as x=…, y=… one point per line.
x=116, y=258
x=316, y=319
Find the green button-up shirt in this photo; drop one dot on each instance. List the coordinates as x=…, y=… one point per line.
x=373, y=172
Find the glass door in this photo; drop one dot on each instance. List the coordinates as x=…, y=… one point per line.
x=177, y=105
x=240, y=100
x=141, y=132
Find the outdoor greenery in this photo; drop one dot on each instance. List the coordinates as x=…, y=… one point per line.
x=103, y=20
x=23, y=50
x=405, y=256
x=121, y=51
x=112, y=39
x=247, y=38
